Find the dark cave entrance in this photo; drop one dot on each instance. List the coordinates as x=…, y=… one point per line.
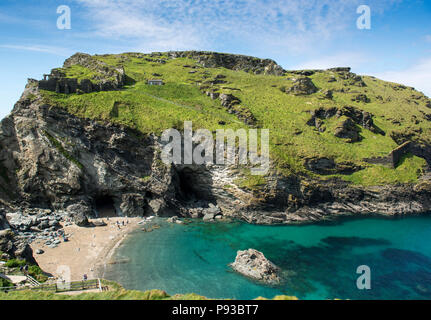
x=105, y=206
x=186, y=192
x=194, y=185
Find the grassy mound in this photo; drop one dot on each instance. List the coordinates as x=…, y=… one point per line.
x=284, y=104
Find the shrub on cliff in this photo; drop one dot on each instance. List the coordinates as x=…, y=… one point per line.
x=5, y=283
x=15, y=263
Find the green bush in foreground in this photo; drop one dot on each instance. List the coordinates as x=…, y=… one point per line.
x=33, y=270
x=5, y=283
x=15, y=263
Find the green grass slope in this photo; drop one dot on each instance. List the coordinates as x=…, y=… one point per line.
x=396, y=110
x=114, y=292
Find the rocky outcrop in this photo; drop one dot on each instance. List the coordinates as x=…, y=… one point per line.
x=350, y=120
x=31, y=224
x=362, y=118
x=303, y=86
x=347, y=129
x=104, y=77
x=233, y=106
x=4, y=224
x=351, y=79
x=56, y=160
x=79, y=212
x=229, y=100
x=11, y=248
x=253, y=264
x=325, y=166
x=231, y=61
x=361, y=98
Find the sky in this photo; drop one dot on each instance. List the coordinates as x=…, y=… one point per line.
x=297, y=34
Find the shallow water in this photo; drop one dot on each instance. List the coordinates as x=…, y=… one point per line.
x=321, y=260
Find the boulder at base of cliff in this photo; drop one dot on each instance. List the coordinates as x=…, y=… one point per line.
x=79, y=213
x=11, y=248
x=253, y=264
x=3, y=221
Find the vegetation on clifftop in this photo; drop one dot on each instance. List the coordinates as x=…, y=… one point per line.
x=284, y=104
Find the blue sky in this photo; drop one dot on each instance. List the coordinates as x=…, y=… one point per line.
x=295, y=33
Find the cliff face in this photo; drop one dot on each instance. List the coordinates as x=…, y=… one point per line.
x=51, y=158
x=231, y=61
x=54, y=159
x=99, y=77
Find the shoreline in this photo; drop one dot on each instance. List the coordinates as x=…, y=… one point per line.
x=91, y=249
x=87, y=251
x=104, y=259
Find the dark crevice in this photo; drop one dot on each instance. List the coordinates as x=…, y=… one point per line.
x=186, y=190
x=105, y=206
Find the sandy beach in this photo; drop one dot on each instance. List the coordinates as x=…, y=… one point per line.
x=87, y=250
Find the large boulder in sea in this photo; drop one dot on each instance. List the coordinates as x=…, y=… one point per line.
x=253, y=264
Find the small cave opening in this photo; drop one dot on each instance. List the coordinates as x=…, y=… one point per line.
x=193, y=186
x=105, y=206
x=186, y=192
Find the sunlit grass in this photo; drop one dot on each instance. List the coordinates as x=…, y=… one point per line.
x=153, y=109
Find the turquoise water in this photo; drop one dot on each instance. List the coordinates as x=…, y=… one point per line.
x=321, y=260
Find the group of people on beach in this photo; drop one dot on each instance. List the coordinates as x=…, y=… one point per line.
x=121, y=224
x=62, y=234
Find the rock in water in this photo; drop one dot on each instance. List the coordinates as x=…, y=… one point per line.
x=253, y=264
x=173, y=219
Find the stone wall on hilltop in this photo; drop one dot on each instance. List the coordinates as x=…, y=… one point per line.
x=106, y=77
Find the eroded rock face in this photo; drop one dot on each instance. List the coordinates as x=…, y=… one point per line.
x=352, y=78
x=346, y=129
x=231, y=61
x=106, y=77
x=4, y=224
x=232, y=104
x=79, y=212
x=303, y=86
x=52, y=159
x=253, y=264
x=55, y=160
x=11, y=248
x=350, y=120
x=326, y=166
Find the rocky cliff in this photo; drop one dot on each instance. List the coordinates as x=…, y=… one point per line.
x=57, y=160
x=231, y=61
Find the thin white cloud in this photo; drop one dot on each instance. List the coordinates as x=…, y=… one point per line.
x=292, y=26
x=39, y=48
x=428, y=38
x=417, y=76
